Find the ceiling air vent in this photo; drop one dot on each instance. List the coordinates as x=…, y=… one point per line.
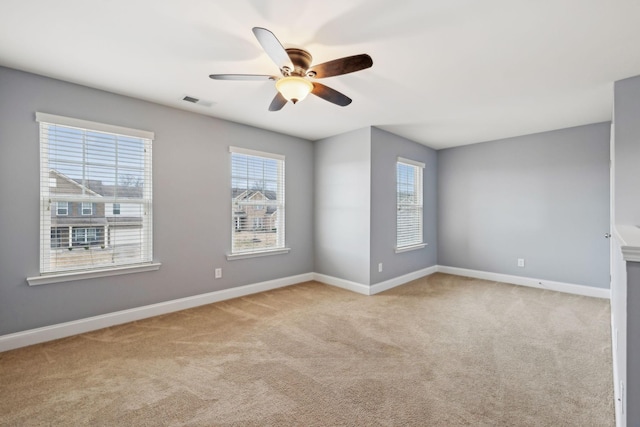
x=198, y=101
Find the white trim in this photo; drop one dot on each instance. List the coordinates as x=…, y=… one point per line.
x=86, y=124
x=568, y=288
x=409, y=230
x=279, y=251
x=401, y=280
x=49, y=271
x=631, y=253
x=45, y=279
x=410, y=248
x=62, y=330
x=255, y=153
x=342, y=283
x=378, y=287
x=279, y=245
x=90, y=208
x=411, y=162
x=66, y=208
x=629, y=238
x=617, y=399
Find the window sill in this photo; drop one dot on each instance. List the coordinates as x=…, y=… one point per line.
x=410, y=248
x=82, y=275
x=233, y=257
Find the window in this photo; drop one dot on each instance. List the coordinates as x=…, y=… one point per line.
x=85, y=166
x=116, y=209
x=409, y=205
x=87, y=208
x=59, y=237
x=86, y=236
x=257, y=201
x=62, y=208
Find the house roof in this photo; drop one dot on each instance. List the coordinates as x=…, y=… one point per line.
x=125, y=191
x=240, y=194
x=244, y=194
x=97, y=188
x=56, y=174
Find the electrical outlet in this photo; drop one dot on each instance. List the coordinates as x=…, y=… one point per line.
x=520, y=262
x=218, y=273
x=379, y=267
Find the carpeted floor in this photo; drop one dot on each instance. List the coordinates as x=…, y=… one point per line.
x=440, y=351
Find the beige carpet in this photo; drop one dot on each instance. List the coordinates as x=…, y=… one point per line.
x=440, y=351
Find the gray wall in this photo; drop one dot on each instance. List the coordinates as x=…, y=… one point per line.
x=626, y=161
x=191, y=204
x=633, y=344
x=385, y=150
x=355, y=206
x=542, y=197
x=627, y=147
x=342, y=205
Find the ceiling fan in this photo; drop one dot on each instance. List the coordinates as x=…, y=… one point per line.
x=296, y=80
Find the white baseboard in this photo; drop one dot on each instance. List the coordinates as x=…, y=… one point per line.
x=401, y=280
x=378, y=287
x=569, y=288
x=342, y=283
x=62, y=330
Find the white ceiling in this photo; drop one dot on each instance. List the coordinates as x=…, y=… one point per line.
x=445, y=72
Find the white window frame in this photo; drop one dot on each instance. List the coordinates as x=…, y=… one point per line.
x=258, y=223
x=47, y=199
x=56, y=241
x=85, y=233
x=280, y=247
x=115, y=207
x=416, y=240
x=59, y=208
x=86, y=206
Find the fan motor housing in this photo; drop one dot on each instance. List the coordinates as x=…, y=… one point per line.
x=301, y=60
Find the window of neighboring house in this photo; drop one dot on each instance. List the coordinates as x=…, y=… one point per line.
x=59, y=237
x=62, y=208
x=87, y=208
x=409, y=205
x=93, y=164
x=85, y=236
x=255, y=172
x=116, y=208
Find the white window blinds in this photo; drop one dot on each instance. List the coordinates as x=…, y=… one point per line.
x=409, y=203
x=86, y=170
x=257, y=201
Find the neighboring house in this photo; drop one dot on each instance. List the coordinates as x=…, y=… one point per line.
x=252, y=211
x=75, y=223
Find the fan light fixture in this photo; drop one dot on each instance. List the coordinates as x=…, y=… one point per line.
x=297, y=77
x=294, y=88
